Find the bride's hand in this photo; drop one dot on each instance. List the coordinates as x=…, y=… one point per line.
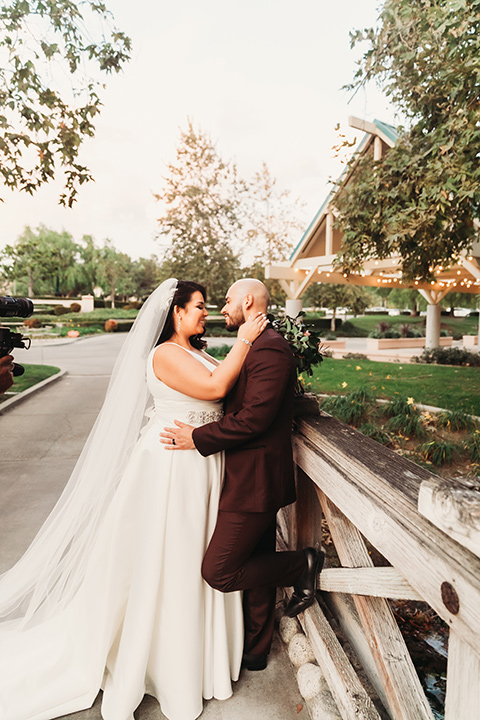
x=252, y=327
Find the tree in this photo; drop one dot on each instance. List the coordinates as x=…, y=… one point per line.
x=43, y=119
x=405, y=298
x=44, y=260
x=114, y=271
x=200, y=215
x=273, y=222
x=462, y=300
x=145, y=276
x=332, y=296
x=423, y=197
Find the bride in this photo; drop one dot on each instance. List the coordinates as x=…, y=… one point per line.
x=98, y=601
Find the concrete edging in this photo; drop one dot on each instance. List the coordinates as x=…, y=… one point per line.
x=16, y=399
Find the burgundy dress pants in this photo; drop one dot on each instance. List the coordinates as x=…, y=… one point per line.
x=241, y=556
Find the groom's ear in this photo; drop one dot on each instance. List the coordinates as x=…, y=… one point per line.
x=248, y=302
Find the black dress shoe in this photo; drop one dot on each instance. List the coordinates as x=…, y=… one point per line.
x=254, y=662
x=306, y=586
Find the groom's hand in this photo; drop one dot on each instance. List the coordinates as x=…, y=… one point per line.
x=179, y=438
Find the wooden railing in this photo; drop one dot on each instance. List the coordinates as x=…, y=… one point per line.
x=367, y=492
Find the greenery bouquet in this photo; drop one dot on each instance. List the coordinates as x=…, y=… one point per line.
x=304, y=342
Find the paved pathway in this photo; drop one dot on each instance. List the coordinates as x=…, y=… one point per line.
x=40, y=440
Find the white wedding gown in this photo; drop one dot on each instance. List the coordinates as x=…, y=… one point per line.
x=143, y=621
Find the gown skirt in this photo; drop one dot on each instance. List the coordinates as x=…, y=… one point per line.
x=143, y=621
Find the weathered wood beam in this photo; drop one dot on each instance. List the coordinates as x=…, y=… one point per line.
x=378, y=491
x=370, y=128
x=462, y=701
x=281, y=272
x=403, y=690
x=383, y=582
x=454, y=507
x=305, y=263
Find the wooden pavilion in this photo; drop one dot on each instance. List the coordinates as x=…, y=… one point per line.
x=313, y=258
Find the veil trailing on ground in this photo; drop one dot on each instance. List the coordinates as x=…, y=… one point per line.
x=51, y=571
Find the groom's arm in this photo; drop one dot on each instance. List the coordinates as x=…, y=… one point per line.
x=270, y=370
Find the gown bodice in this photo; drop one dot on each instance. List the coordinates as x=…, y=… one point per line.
x=170, y=404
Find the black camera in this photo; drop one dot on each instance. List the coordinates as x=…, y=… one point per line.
x=14, y=307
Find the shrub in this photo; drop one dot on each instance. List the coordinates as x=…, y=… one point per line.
x=319, y=323
x=355, y=356
x=384, y=330
x=60, y=310
x=409, y=331
x=376, y=433
x=111, y=325
x=33, y=322
x=407, y=425
x=472, y=446
x=133, y=305
x=438, y=451
x=405, y=417
x=220, y=351
x=449, y=356
x=75, y=307
x=455, y=420
x=352, y=408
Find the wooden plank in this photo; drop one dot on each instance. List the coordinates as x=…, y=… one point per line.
x=454, y=507
x=352, y=700
x=342, y=608
x=377, y=490
x=308, y=513
x=463, y=681
x=384, y=582
x=406, y=699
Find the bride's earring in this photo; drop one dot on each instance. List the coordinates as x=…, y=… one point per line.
x=178, y=325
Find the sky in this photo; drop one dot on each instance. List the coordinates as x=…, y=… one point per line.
x=263, y=78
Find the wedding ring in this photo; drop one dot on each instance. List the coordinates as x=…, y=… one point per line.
x=173, y=441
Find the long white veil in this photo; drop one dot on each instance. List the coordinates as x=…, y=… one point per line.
x=48, y=575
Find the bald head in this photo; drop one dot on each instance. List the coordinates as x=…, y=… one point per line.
x=255, y=288
x=244, y=298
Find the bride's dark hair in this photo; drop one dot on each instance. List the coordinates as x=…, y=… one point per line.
x=183, y=295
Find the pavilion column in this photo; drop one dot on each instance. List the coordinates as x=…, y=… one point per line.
x=293, y=307
x=434, y=313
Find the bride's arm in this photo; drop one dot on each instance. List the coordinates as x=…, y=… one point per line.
x=180, y=371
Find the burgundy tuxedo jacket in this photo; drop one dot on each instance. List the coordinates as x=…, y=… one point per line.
x=255, y=432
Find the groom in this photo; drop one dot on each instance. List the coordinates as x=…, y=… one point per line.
x=255, y=434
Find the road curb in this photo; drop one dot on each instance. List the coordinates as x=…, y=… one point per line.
x=11, y=402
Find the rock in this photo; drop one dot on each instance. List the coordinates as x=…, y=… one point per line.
x=310, y=681
x=300, y=651
x=288, y=627
x=324, y=707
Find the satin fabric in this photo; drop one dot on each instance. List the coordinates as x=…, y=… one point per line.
x=144, y=621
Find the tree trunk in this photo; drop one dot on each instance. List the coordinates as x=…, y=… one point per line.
x=332, y=323
x=112, y=295
x=30, y=285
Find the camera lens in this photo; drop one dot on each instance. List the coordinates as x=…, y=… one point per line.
x=15, y=307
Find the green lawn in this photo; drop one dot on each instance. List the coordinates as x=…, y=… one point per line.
x=452, y=388
x=33, y=374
